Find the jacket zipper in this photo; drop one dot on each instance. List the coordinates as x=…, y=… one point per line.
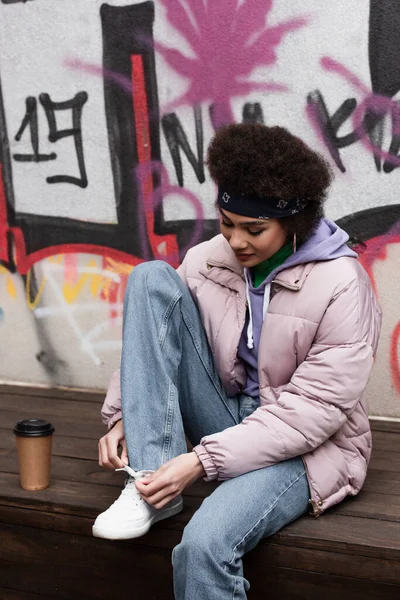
x=315, y=511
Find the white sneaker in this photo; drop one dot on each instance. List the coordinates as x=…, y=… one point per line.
x=130, y=516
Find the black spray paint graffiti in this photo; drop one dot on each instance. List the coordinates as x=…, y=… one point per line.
x=177, y=139
x=384, y=63
x=126, y=32
x=31, y=119
x=15, y=1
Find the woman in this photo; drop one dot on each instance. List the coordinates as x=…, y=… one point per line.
x=259, y=351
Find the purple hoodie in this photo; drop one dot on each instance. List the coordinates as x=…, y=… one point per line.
x=326, y=243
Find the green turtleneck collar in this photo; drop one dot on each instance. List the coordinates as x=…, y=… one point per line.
x=261, y=271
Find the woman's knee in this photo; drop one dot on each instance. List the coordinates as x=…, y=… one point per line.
x=148, y=273
x=198, y=543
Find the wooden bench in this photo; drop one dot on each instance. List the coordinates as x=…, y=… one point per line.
x=47, y=551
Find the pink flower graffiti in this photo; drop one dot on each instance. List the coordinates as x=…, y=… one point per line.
x=229, y=41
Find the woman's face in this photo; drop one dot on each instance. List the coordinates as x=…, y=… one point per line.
x=252, y=240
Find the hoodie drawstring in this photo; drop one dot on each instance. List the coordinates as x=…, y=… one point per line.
x=250, y=340
x=267, y=293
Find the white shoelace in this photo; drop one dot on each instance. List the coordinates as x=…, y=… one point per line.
x=132, y=473
x=130, y=489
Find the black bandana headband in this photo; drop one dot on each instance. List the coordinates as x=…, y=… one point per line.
x=259, y=208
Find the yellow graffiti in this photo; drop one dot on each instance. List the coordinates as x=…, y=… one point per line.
x=114, y=267
x=97, y=279
x=72, y=290
x=11, y=289
x=118, y=267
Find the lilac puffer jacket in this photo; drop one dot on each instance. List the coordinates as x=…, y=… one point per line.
x=316, y=352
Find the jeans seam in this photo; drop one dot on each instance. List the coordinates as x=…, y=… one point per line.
x=261, y=518
x=187, y=323
x=167, y=427
x=234, y=589
x=170, y=308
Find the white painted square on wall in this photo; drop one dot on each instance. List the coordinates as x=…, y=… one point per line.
x=36, y=40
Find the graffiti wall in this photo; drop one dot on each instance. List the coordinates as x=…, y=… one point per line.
x=106, y=110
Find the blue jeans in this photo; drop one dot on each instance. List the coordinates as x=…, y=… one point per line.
x=170, y=388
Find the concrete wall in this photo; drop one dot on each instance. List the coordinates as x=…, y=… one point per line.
x=105, y=114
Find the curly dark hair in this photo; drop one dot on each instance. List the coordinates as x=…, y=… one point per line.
x=251, y=158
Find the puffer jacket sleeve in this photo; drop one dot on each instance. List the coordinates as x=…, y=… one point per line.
x=322, y=393
x=111, y=410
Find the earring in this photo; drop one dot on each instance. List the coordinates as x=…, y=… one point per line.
x=294, y=243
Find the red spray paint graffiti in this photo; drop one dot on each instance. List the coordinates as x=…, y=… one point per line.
x=164, y=247
x=373, y=250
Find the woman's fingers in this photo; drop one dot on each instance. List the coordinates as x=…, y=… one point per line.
x=157, y=491
x=124, y=453
x=165, y=501
x=112, y=453
x=99, y=449
x=160, y=498
x=103, y=459
x=108, y=451
x=149, y=488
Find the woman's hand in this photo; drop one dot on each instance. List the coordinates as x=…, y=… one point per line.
x=108, y=448
x=171, y=479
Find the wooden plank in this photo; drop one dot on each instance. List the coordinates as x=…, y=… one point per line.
x=62, y=393
x=385, y=460
x=159, y=536
x=371, y=505
x=97, y=396
x=93, y=430
x=383, y=482
x=344, y=534
x=86, y=448
x=76, y=498
x=277, y=583
x=88, y=471
x=63, y=445
x=269, y=554
x=389, y=426
x=68, y=566
x=386, y=440
x=368, y=537
x=46, y=407
x=15, y=594
x=387, y=482
x=68, y=426
x=67, y=469
x=62, y=496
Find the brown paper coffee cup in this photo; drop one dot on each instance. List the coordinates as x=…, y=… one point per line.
x=34, y=440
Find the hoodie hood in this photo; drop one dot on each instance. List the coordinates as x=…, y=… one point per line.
x=327, y=242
